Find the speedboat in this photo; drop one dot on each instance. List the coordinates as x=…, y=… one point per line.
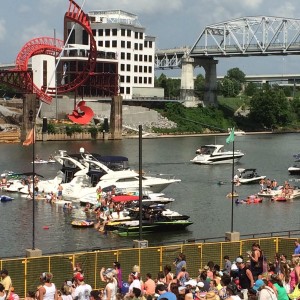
x=269, y=193
x=247, y=176
x=215, y=154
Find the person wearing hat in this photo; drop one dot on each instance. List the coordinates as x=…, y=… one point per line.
x=111, y=288
x=66, y=291
x=47, y=291
x=6, y=281
x=190, y=287
x=245, y=276
x=264, y=291
x=82, y=290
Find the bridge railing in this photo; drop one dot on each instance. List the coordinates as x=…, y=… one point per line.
x=25, y=272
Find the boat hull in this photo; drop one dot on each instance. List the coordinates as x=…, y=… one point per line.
x=216, y=160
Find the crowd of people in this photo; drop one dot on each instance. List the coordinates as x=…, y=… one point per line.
x=254, y=277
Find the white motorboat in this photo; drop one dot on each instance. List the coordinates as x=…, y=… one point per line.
x=294, y=170
x=215, y=154
x=269, y=193
x=247, y=176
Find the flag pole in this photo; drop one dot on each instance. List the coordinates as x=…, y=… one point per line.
x=232, y=187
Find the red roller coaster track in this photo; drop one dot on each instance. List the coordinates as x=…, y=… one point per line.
x=53, y=47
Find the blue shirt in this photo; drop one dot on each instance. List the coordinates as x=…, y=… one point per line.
x=181, y=264
x=167, y=295
x=297, y=250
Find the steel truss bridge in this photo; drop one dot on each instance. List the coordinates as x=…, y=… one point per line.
x=247, y=36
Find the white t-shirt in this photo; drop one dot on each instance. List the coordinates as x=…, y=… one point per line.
x=135, y=283
x=113, y=288
x=267, y=294
x=82, y=292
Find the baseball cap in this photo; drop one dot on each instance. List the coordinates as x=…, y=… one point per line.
x=239, y=260
x=200, y=284
x=79, y=276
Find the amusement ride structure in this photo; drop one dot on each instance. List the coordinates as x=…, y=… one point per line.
x=21, y=78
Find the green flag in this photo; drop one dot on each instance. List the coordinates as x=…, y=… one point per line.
x=231, y=136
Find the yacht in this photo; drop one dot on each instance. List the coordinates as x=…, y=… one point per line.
x=215, y=154
x=97, y=174
x=294, y=170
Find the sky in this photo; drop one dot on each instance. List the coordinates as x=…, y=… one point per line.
x=174, y=23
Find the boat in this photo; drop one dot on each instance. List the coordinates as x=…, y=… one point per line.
x=294, y=170
x=215, y=154
x=269, y=193
x=280, y=198
x=82, y=223
x=131, y=228
x=237, y=132
x=235, y=194
x=42, y=161
x=4, y=198
x=247, y=176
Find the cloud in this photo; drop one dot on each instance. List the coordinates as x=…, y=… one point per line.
x=139, y=6
x=2, y=30
x=24, y=9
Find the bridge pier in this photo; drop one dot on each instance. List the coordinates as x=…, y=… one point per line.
x=116, y=118
x=187, y=83
x=210, y=67
x=29, y=104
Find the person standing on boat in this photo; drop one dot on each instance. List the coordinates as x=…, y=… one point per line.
x=59, y=192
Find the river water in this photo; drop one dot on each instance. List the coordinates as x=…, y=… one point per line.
x=198, y=194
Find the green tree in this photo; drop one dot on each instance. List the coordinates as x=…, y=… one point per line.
x=236, y=74
x=270, y=108
x=199, y=86
x=251, y=88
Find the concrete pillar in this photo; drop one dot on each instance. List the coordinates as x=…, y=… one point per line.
x=210, y=93
x=29, y=106
x=187, y=83
x=33, y=252
x=116, y=118
x=232, y=236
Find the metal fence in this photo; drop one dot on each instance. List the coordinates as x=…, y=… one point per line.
x=25, y=272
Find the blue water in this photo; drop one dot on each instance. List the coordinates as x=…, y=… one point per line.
x=198, y=194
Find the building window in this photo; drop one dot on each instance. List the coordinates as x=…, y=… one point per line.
x=140, y=69
x=107, y=44
x=136, y=46
x=146, y=44
x=135, y=79
x=128, y=68
x=122, y=67
x=145, y=58
x=107, y=32
x=122, y=44
x=122, y=32
x=128, y=45
x=150, y=69
x=85, y=37
x=128, y=90
x=150, y=58
x=141, y=46
x=45, y=73
x=150, y=80
x=135, y=57
x=145, y=69
x=136, y=35
x=114, y=32
x=128, y=32
x=150, y=44
x=121, y=90
x=121, y=78
x=140, y=57
x=140, y=79
x=135, y=68
x=122, y=55
x=145, y=79
x=100, y=32
x=94, y=32
x=129, y=56
x=128, y=79
x=114, y=44
x=141, y=35
x=100, y=43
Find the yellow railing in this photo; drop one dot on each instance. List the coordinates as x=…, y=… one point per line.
x=25, y=272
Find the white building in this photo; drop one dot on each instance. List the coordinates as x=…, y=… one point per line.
x=120, y=33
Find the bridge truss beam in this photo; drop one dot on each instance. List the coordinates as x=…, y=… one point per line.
x=249, y=36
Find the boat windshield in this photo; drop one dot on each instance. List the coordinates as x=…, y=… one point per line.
x=206, y=150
